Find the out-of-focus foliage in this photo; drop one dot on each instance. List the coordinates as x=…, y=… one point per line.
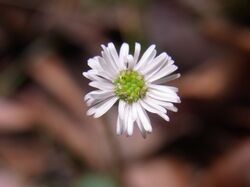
x=47, y=140
x=238, y=11
x=94, y=180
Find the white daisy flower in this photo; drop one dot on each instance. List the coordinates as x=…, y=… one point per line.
x=135, y=83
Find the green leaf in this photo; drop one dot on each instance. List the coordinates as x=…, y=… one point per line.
x=96, y=180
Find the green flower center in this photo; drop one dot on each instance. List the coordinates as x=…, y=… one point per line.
x=130, y=86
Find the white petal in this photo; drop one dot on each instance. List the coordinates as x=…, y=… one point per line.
x=95, y=75
x=152, y=109
x=87, y=97
x=86, y=75
x=96, y=104
x=131, y=62
x=149, y=61
x=163, y=89
x=121, y=109
x=94, y=64
x=130, y=122
x=109, y=60
x=137, y=52
x=134, y=112
x=114, y=53
x=125, y=120
x=115, y=56
x=102, y=85
x=164, y=116
x=167, y=79
x=119, y=126
x=104, y=107
x=163, y=97
x=123, y=54
x=149, y=108
x=145, y=56
x=164, y=93
x=99, y=94
x=173, y=88
x=144, y=118
x=162, y=66
x=142, y=130
x=90, y=112
x=154, y=70
x=163, y=72
x=151, y=103
x=91, y=102
x=107, y=68
x=158, y=61
x=89, y=73
x=100, y=71
x=167, y=105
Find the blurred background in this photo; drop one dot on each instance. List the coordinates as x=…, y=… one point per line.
x=46, y=140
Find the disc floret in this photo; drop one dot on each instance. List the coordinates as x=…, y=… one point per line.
x=130, y=86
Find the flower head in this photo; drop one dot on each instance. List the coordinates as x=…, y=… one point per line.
x=136, y=83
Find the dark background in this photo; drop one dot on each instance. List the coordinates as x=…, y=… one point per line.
x=46, y=140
